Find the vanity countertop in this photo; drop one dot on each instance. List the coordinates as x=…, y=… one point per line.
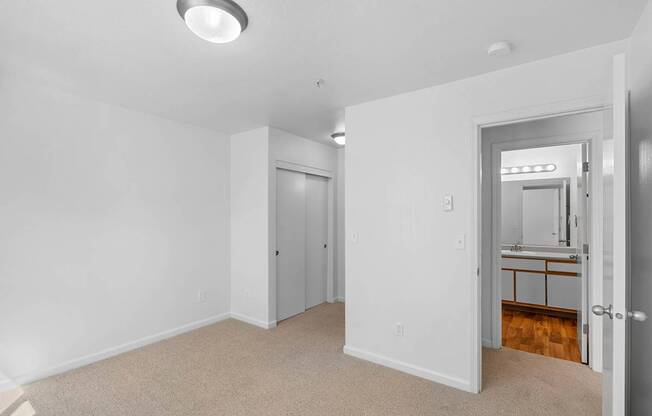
x=536, y=254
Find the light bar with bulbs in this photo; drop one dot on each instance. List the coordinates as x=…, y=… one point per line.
x=516, y=170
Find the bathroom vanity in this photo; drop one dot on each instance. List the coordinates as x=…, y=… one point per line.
x=543, y=282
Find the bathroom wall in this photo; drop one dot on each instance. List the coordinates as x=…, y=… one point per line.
x=567, y=158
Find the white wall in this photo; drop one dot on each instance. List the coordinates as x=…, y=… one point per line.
x=566, y=158
x=403, y=154
x=111, y=220
x=341, y=224
x=254, y=155
x=249, y=226
x=640, y=82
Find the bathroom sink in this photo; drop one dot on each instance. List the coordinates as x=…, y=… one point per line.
x=540, y=254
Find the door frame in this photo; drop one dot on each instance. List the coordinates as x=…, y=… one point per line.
x=519, y=115
x=310, y=170
x=497, y=148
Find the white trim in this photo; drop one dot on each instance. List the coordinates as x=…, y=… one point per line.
x=297, y=167
x=339, y=299
x=408, y=368
x=253, y=321
x=109, y=352
x=6, y=385
x=568, y=107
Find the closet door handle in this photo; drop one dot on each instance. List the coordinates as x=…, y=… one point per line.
x=277, y=252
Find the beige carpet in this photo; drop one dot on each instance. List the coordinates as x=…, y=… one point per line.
x=232, y=368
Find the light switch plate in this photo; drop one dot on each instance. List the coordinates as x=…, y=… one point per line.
x=460, y=242
x=447, y=203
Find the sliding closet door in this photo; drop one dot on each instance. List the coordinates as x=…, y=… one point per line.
x=290, y=243
x=316, y=239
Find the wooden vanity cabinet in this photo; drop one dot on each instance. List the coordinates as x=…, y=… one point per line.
x=544, y=285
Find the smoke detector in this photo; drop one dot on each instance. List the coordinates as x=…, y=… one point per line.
x=499, y=49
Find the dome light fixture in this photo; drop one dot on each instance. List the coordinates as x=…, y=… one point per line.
x=339, y=138
x=216, y=21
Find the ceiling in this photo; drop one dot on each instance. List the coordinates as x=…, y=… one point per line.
x=139, y=54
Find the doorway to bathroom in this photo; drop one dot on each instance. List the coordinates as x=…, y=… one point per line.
x=543, y=217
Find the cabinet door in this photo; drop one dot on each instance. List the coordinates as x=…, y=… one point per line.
x=531, y=288
x=564, y=267
x=523, y=264
x=507, y=285
x=564, y=292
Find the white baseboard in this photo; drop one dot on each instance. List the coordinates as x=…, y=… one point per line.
x=107, y=353
x=339, y=299
x=487, y=343
x=409, y=368
x=253, y=321
x=6, y=385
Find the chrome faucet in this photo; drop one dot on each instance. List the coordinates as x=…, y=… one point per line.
x=516, y=247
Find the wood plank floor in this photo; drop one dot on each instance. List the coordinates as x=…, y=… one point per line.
x=541, y=334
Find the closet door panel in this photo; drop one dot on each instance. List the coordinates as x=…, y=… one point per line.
x=290, y=243
x=316, y=239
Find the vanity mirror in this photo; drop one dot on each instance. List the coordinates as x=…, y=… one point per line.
x=536, y=212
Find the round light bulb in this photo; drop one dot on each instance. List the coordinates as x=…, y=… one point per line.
x=538, y=168
x=551, y=167
x=526, y=169
x=515, y=170
x=504, y=171
x=212, y=24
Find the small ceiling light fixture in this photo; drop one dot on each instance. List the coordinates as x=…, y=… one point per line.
x=339, y=138
x=216, y=21
x=514, y=170
x=499, y=49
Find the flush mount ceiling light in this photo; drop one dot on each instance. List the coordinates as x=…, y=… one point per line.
x=339, y=138
x=501, y=48
x=216, y=21
x=515, y=170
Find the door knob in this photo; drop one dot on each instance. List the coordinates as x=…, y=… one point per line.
x=637, y=316
x=601, y=310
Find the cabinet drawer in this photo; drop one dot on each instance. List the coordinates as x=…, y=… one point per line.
x=564, y=267
x=507, y=285
x=523, y=264
x=564, y=292
x=531, y=288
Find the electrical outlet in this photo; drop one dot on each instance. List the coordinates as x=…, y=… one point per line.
x=460, y=242
x=399, y=330
x=201, y=296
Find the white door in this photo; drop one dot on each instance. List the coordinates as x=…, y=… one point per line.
x=290, y=243
x=316, y=239
x=615, y=301
x=541, y=216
